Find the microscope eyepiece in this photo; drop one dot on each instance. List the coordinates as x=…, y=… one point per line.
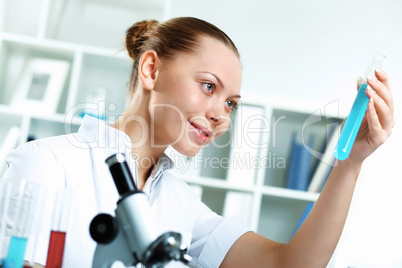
x=122, y=176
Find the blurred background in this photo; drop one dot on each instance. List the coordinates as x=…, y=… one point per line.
x=293, y=52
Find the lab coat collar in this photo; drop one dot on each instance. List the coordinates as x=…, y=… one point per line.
x=99, y=134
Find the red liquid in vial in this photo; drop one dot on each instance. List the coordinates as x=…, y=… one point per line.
x=56, y=249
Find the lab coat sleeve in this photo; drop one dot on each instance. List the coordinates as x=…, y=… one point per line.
x=213, y=236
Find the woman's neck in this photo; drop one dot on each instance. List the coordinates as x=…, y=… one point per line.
x=135, y=122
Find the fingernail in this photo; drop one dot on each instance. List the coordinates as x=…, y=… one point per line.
x=370, y=90
x=371, y=101
x=378, y=71
x=371, y=80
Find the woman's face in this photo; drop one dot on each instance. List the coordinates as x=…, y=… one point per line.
x=193, y=96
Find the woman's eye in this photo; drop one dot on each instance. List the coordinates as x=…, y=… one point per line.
x=231, y=104
x=209, y=86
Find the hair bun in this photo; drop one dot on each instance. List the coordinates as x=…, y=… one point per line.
x=135, y=36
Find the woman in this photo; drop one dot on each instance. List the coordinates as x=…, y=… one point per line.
x=184, y=84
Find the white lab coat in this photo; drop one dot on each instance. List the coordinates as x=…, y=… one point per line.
x=77, y=161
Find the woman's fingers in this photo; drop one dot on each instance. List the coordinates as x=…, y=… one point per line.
x=383, y=111
x=382, y=88
x=377, y=134
x=383, y=77
x=380, y=114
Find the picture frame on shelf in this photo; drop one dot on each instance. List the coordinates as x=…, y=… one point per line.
x=40, y=85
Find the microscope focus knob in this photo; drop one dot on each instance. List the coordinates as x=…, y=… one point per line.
x=103, y=228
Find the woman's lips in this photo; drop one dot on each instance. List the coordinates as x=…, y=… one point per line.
x=201, y=133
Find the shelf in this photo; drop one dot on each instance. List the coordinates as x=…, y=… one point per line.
x=70, y=47
x=15, y=56
x=286, y=124
x=333, y=109
x=7, y=121
x=278, y=217
x=103, y=79
x=56, y=118
x=102, y=23
x=217, y=183
x=289, y=193
x=40, y=128
x=14, y=16
x=265, y=190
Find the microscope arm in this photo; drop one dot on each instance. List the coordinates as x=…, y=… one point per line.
x=117, y=250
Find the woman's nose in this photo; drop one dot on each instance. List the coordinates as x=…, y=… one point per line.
x=213, y=119
x=217, y=115
x=214, y=114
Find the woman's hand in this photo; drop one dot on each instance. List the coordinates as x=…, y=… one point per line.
x=378, y=121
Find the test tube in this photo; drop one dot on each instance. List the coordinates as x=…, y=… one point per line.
x=24, y=207
x=61, y=214
x=5, y=195
x=355, y=118
x=35, y=219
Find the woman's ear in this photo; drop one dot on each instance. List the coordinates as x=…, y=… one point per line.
x=148, y=69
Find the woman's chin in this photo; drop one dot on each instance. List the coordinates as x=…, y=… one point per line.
x=188, y=151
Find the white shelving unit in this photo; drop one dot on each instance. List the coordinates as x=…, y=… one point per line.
x=89, y=35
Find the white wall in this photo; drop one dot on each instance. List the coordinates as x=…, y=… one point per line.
x=314, y=50
x=307, y=49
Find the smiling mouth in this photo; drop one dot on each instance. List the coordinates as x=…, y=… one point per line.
x=205, y=132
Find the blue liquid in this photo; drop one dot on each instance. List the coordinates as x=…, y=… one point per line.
x=352, y=124
x=16, y=251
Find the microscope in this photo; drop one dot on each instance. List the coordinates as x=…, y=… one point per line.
x=129, y=236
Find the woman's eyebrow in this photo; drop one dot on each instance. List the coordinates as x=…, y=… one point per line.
x=216, y=77
x=221, y=83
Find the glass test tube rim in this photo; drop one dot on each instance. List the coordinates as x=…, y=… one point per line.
x=376, y=57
